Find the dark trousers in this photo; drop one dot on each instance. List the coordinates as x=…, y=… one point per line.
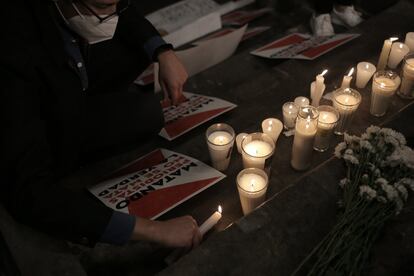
x=325, y=6
x=115, y=120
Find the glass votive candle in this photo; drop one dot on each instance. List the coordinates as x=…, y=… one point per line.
x=252, y=186
x=257, y=151
x=290, y=112
x=365, y=70
x=384, y=85
x=272, y=127
x=239, y=139
x=305, y=132
x=406, y=90
x=301, y=101
x=346, y=102
x=220, y=140
x=327, y=120
x=409, y=41
x=398, y=51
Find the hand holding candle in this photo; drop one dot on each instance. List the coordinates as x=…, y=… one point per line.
x=346, y=81
x=211, y=221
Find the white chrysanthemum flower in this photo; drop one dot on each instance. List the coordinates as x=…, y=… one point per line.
x=339, y=148
x=368, y=192
x=388, y=132
x=352, y=159
x=380, y=181
x=377, y=173
x=391, y=140
x=343, y=182
x=407, y=156
x=401, y=156
x=390, y=192
x=381, y=199
x=408, y=182
x=402, y=191
x=373, y=129
x=367, y=145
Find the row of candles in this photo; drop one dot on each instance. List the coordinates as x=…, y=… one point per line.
x=314, y=124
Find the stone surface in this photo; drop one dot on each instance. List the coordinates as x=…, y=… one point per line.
x=301, y=206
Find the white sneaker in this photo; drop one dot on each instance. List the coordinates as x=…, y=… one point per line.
x=321, y=25
x=349, y=17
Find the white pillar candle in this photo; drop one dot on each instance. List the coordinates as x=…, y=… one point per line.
x=239, y=139
x=272, y=127
x=398, y=51
x=346, y=101
x=220, y=140
x=328, y=117
x=365, y=70
x=290, y=112
x=211, y=221
x=301, y=101
x=385, y=52
x=384, y=85
x=252, y=186
x=317, y=88
x=409, y=41
x=305, y=131
x=407, y=83
x=257, y=148
x=346, y=81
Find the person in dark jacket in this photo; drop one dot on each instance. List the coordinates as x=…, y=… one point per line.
x=66, y=69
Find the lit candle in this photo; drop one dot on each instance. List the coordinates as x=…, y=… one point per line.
x=257, y=150
x=272, y=127
x=220, y=140
x=305, y=131
x=365, y=70
x=409, y=41
x=328, y=117
x=346, y=81
x=384, y=85
x=407, y=83
x=301, y=101
x=398, y=51
x=346, y=101
x=385, y=52
x=211, y=221
x=252, y=186
x=317, y=88
x=290, y=112
x=239, y=139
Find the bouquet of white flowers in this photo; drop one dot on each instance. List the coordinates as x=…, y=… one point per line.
x=380, y=174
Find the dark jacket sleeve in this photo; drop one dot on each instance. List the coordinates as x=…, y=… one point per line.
x=30, y=188
x=135, y=30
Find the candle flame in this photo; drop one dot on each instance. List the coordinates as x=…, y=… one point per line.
x=392, y=39
x=324, y=72
x=269, y=128
x=382, y=85
x=290, y=112
x=270, y=122
x=367, y=66
x=351, y=72
x=220, y=210
x=221, y=139
x=325, y=116
x=291, y=106
x=401, y=46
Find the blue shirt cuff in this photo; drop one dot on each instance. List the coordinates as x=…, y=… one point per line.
x=152, y=45
x=119, y=229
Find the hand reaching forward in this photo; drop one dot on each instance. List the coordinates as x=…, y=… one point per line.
x=172, y=76
x=177, y=232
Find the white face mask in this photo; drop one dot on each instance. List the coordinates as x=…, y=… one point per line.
x=89, y=27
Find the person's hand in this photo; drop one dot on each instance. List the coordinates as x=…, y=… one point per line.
x=177, y=232
x=172, y=76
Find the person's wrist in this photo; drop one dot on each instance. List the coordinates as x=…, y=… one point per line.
x=160, y=51
x=164, y=54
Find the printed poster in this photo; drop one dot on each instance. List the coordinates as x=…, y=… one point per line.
x=155, y=183
x=196, y=110
x=302, y=46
